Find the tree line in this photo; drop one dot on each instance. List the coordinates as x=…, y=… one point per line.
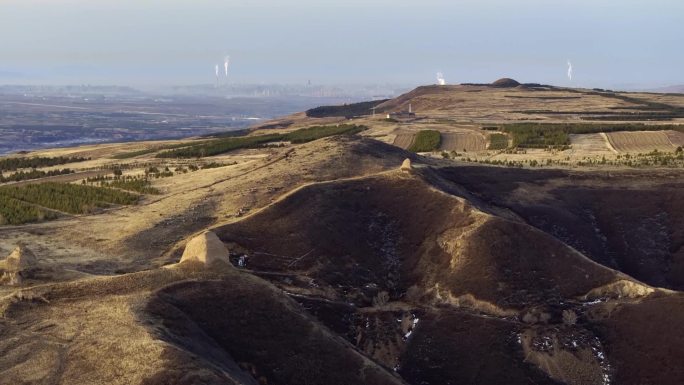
x=33, y=174
x=345, y=110
x=22, y=204
x=224, y=145
x=557, y=135
x=498, y=142
x=139, y=183
x=16, y=212
x=13, y=164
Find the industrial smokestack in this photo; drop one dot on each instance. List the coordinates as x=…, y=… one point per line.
x=226, y=63
x=440, y=79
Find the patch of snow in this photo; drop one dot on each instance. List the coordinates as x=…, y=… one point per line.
x=594, y=302
x=414, y=324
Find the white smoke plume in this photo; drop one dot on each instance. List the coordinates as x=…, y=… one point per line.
x=569, y=70
x=440, y=79
x=216, y=71
x=226, y=63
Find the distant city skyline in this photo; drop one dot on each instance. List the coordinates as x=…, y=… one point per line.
x=612, y=44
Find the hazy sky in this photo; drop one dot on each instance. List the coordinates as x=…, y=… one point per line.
x=611, y=43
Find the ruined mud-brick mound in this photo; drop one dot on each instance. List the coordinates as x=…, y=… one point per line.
x=505, y=83
x=406, y=165
x=17, y=266
x=19, y=260
x=205, y=248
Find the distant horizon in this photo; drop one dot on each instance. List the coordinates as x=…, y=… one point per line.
x=613, y=44
x=350, y=86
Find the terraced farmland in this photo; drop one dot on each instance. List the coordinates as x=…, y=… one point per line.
x=404, y=139
x=459, y=141
x=594, y=144
x=641, y=141
x=676, y=137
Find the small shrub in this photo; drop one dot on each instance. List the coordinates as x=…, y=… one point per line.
x=381, y=299
x=569, y=317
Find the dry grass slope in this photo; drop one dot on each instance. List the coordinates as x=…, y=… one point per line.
x=360, y=271
x=641, y=142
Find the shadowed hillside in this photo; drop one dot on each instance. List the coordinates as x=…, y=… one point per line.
x=372, y=250
x=628, y=221
x=331, y=264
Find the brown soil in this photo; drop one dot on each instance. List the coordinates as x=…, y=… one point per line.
x=595, y=144
x=676, y=137
x=358, y=272
x=628, y=220
x=369, y=275
x=385, y=231
x=271, y=337
x=640, y=141
x=404, y=139
x=463, y=141
x=445, y=263
x=635, y=332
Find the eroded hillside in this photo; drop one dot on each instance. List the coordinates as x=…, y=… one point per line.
x=366, y=275
x=303, y=253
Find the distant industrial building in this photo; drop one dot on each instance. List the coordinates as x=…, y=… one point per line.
x=402, y=114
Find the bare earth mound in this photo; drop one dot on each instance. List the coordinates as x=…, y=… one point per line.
x=17, y=265
x=505, y=83
x=205, y=248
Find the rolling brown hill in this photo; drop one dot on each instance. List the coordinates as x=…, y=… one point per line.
x=371, y=250
x=629, y=221
x=347, y=260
